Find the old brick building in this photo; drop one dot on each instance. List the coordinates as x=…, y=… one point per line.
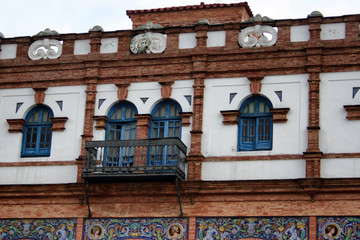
x=202, y=122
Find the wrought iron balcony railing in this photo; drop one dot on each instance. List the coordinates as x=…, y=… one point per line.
x=134, y=160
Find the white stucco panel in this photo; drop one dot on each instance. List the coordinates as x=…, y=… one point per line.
x=8, y=51
x=332, y=31
x=299, y=33
x=187, y=40
x=38, y=175
x=65, y=145
x=82, y=47
x=340, y=168
x=221, y=140
x=109, y=45
x=338, y=134
x=216, y=39
x=253, y=170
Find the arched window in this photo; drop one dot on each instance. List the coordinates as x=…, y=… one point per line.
x=255, y=124
x=121, y=126
x=165, y=123
x=37, y=132
x=166, y=120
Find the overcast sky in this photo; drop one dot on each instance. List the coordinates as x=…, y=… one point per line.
x=28, y=17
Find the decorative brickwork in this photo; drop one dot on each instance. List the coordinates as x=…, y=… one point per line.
x=279, y=114
x=101, y=122
x=39, y=95
x=122, y=91
x=353, y=112
x=185, y=118
x=230, y=117
x=16, y=125
x=58, y=123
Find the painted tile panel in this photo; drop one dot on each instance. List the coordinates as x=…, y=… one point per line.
x=39, y=229
x=136, y=228
x=347, y=228
x=256, y=228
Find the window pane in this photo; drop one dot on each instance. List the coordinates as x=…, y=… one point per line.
x=261, y=107
x=252, y=107
x=163, y=111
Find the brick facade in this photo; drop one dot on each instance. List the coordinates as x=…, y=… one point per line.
x=311, y=197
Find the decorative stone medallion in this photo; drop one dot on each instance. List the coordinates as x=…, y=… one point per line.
x=148, y=43
x=255, y=36
x=45, y=49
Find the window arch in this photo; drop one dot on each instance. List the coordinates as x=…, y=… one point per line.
x=165, y=123
x=37, y=132
x=121, y=126
x=166, y=120
x=255, y=124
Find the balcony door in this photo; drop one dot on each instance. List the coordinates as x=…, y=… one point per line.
x=121, y=126
x=165, y=123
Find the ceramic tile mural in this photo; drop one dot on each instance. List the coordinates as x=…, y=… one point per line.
x=136, y=228
x=39, y=229
x=347, y=228
x=269, y=228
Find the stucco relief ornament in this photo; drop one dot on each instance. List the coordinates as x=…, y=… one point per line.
x=255, y=36
x=45, y=49
x=148, y=42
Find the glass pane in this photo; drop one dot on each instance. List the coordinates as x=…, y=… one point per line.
x=163, y=111
x=267, y=109
x=172, y=110
x=246, y=110
x=128, y=112
x=261, y=107
x=252, y=107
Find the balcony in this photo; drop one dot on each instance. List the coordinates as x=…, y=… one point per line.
x=134, y=160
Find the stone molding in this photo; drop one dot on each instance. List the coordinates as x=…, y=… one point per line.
x=148, y=43
x=254, y=36
x=16, y=125
x=45, y=49
x=353, y=112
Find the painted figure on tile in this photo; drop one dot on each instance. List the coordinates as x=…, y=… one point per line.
x=331, y=231
x=174, y=231
x=96, y=232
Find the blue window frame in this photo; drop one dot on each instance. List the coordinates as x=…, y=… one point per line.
x=165, y=123
x=37, y=132
x=121, y=126
x=255, y=128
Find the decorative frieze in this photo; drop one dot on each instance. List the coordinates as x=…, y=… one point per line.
x=148, y=43
x=257, y=36
x=45, y=49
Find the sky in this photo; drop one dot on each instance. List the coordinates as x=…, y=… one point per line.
x=28, y=17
